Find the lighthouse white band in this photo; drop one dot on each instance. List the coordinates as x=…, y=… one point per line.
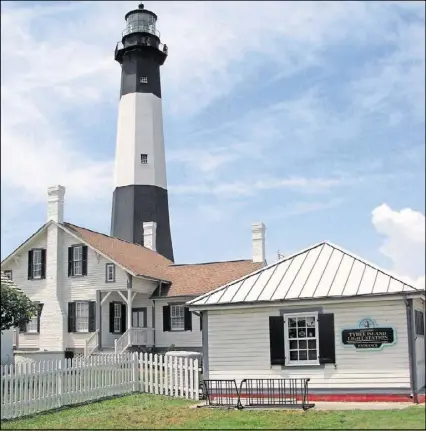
x=140, y=132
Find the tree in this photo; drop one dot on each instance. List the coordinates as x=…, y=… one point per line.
x=16, y=309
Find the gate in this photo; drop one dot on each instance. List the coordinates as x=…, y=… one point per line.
x=258, y=393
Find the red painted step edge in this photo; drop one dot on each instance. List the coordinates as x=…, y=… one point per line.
x=397, y=398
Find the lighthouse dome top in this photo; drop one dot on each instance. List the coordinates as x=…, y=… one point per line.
x=141, y=20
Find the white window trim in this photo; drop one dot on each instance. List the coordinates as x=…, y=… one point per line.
x=288, y=362
x=34, y=322
x=77, y=250
x=81, y=304
x=180, y=328
x=117, y=316
x=110, y=266
x=37, y=252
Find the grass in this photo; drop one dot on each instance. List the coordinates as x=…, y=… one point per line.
x=154, y=411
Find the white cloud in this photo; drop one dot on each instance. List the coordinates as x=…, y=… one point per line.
x=404, y=240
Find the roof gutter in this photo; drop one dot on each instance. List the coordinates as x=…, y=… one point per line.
x=411, y=348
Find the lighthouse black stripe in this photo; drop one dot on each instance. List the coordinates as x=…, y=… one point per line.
x=140, y=73
x=135, y=204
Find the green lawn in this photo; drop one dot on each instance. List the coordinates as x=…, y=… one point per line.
x=154, y=411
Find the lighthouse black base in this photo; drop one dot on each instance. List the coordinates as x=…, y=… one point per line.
x=135, y=204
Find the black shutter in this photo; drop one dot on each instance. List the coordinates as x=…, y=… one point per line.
x=39, y=310
x=111, y=317
x=187, y=319
x=327, y=349
x=276, y=340
x=30, y=265
x=92, y=316
x=123, y=318
x=71, y=317
x=70, y=251
x=84, y=259
x=43, y=263
x=166, y=318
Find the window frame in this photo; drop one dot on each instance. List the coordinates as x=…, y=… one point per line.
x=33, y=321
x=9, y=274
x=143, y=80
x=419, y=323
x=175, y=318
x=77, y=317
x=77, y=260
x=144, y=159
x=109, y=266
x=37, y=252
x=300, y=363
x=117, y=317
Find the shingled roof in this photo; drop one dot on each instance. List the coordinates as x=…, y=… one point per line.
x=183, y=280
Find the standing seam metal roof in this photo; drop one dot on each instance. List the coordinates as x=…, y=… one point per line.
x=321, y=271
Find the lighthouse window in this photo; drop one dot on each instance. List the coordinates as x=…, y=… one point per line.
x=144, y=159
x=144, y=80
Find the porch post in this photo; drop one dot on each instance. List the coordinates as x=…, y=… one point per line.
x=99, y=317
x=129, y=306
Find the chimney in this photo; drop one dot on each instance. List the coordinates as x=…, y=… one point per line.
x=258, y=242
x=55, y=203
x=150, y=235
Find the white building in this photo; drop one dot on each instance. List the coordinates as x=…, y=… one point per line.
x=355, y=330
x=85, y=284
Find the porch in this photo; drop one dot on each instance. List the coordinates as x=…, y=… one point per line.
x=123, y=321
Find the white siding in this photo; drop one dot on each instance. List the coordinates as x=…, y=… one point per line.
x=34, y=289
x=178, y=338
x=238, y=347
x=420, y=349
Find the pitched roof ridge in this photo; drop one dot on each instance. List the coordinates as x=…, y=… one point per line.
x=210, y=263
x=118, y=239
x=371, y=265
x=263, y=268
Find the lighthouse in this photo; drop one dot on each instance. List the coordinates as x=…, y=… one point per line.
x=140, y=183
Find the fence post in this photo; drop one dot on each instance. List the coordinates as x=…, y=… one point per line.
x=59, y=383
x=135, y=374
x=196, y=379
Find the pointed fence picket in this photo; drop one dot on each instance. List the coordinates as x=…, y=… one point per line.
x=29, y=388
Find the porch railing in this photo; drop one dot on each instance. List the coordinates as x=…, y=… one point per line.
x=92, y=343
x=133, y=337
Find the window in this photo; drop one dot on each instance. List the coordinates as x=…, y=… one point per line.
x=138, y=318
x=8, y=273
x=419, y=318
x=77, y=260
x=301, y=339
x=177, y=317
x=32, y=325
x=110, y=272
x=82, y=317
x=37, y=263
x=117, y=317
x=144, y=159
x=144, y=80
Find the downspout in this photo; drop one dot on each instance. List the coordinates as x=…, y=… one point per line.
x=411, y=349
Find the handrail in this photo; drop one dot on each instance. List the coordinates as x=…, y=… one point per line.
x=91, y=346
x=132, y=337
x=140, y=28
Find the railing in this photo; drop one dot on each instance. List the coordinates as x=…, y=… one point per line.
x=133, y=337
x=254, y=393
x=92, y=343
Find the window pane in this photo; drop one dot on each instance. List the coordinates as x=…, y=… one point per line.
x=312, y=344
x=303, y=356
x=36, y=263
x=293, y=355
x=293, y=344
x=177, y=318
x=292, y=333
x=82, y=317
x=302, y=333
x=301, y=323
x=302, y=344
x=310, y=321
x=291, y=322
x=311, y=333
x=32, y=325
x=312, y=355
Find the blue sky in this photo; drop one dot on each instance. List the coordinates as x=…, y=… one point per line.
x=308, y=116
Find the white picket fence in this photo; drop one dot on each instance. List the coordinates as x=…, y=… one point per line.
x=39, y=386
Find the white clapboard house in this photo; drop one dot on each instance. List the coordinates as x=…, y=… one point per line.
x=323, y=314
x=96, y=293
